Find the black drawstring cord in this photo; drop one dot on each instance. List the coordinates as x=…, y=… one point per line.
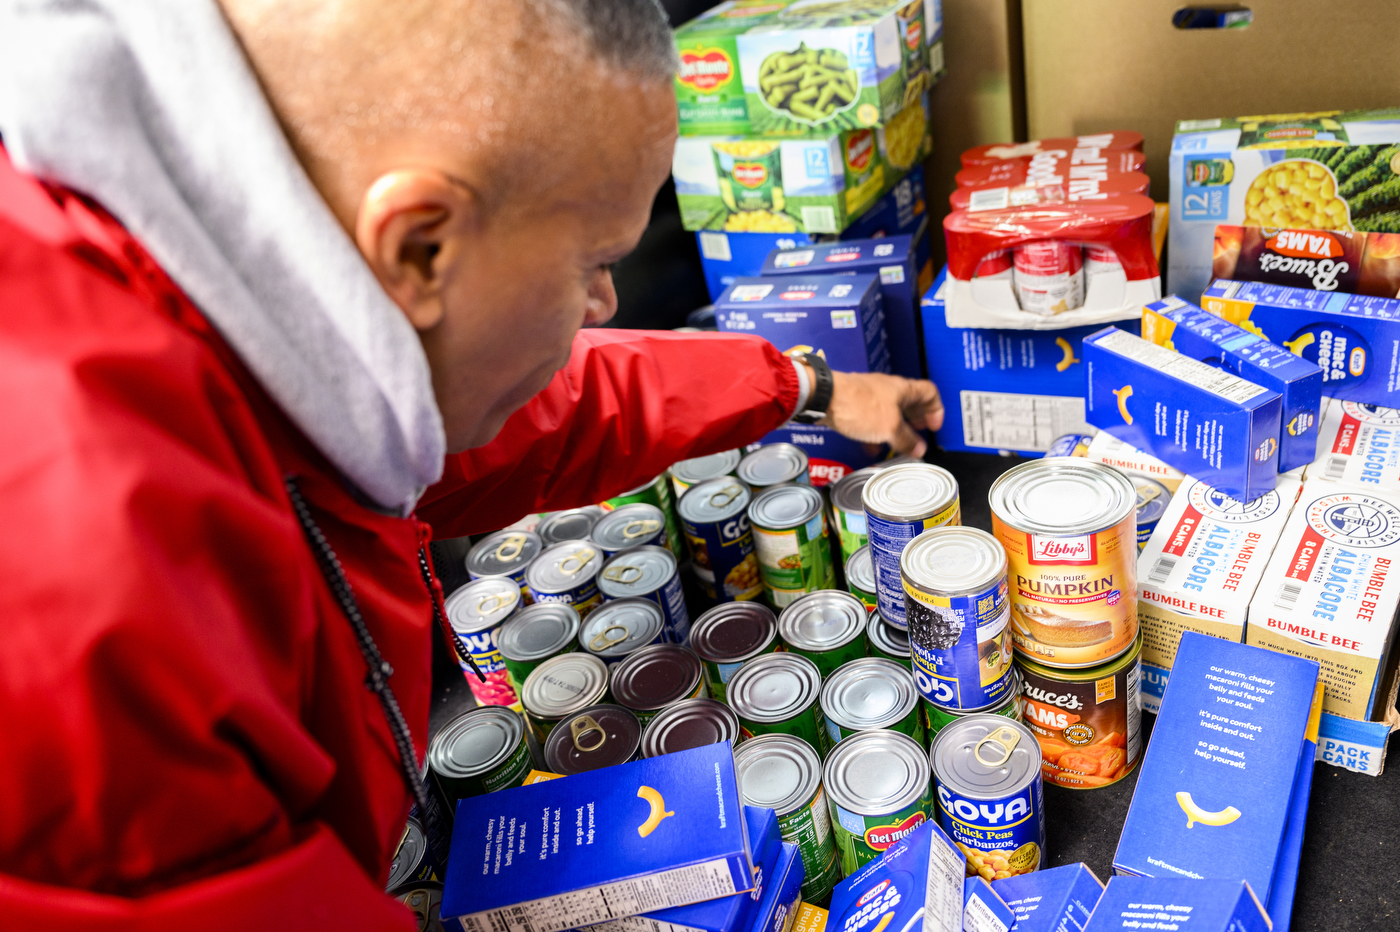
x=452, y=635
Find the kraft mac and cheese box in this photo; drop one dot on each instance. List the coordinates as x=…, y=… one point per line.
x=661, y=832
x=1200, y=570
x=839, y=316
x=778, y=910
x=1060, y=899
x=1200, y=420
x=1353, y=339
x=983, y=909
x=1359, y=444
x=1126, y=458
x=1139, y=903
x=1193, y=332
x=919, y=877
x=810, y=919
x=1214, y=790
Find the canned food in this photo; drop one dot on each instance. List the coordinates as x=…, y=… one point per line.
x=937, y=718
x=690, y=723
x=476, y=612
x=573, y=524
x=655, y=677
x=533, y=635
x=871, y=692
x=877, y=787
x=860, y=578
x=504, y=553
x=780, y=694
x=995, y=265
x=1088, y=722
x=847, y=511
x=596, y=737
x=649, y=573
x=622, y=627
x=1152, y=501
x=657, y=492
x=990, y=796
x=900, y=504
x=560, y=687
x=716, y=521
x=728, y=635
x=827, y=627
x=789, y=533
x=1099, y=260
x=1069, y=528
x=750, y=174
x=888, y=641
x=480, y=751
x=630, y=526
x=774, y=464
x=413, y=861
x=1070, y=445
x=1048, y=276
x=567, y=572
x=956, y=606
x=702, y=468
x=784, y=773
x=424, y=900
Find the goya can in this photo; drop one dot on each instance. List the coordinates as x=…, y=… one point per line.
x=956, y=609
x=657, y=492
x=902, y=502
x=413, y=861
x=990, y=795
x=630, y=526
x=702, y=468
x=716, y=521
x=1069, y=528
x=827, y=627
x=504, y=553
x=573, y=524
x=620, y=628
x=476, y=612
x=728, y=635
x=780, y=694
x=567, y=572
x=480, y=751
x=1152, y=501
x=789, y=534
x=888, y=641
x=533, y=635
x=649, y=573
x=878, y=790
x=937, y=718
x=860, y=578
x=690, y=723
x=872, y=692
x=561, y=686
x=784, y=773
x=848, y=512
x=655, y=677
x=774, y=464
x=592, y=738
x=1088, y=722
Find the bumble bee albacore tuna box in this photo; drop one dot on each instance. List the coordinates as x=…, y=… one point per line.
x=661, y=832
x=915, y=886
x=1201, y=420
x=1060, y=899
x=1359, y=445
x=841, y=317
x=1138, y=904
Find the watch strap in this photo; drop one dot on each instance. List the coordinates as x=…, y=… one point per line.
x=820, y=398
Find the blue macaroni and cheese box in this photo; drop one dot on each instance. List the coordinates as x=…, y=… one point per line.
x=918, y=877
x=778, y=910
x=1059, y=899
x=660, y=832
x=1201, y=420
x=841, y=317
x=1214, y=791
x=1140, y=903
x=983, y=908
x=1280, y=902
x=1193, y=332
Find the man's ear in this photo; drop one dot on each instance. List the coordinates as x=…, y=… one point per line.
x=410, y=229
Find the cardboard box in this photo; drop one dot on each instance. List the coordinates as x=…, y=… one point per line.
x=923, y=872
x=1201, y=420
x=660, y=832
x=1323, y=260
x=1285, y=882
x=1059, y=899
x=839, y=316
x=983, y=909
x=1359, y=444
x=1124, y=457
x=810, y=919
x=830, y=455
x=725, y=257
x=778, y=910
x=1138, y=903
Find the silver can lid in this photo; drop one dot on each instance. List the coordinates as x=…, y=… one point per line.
x=538, y=631
x=732, y=632
x=564, y=566
x=985, y=757
x=412, y=848
x=482, y=604
x=845, y=492
x=773, y=463
x=860, y=570
x=715, y=500
x=909, y=492
x=701, y=468
x=953, y=560
x=822, y=620
x=615, y=629
x=773, y=687
x=573, y=524
x=785, y=506
x=1062, y=496
x=886, y=637
x=503, y=553
x=876, y=773
x=690, y=723
x=778, y=772
x=476, y=742
x=628, y=526
x=871, y=692
x=564, y=684
x=637, y=572
x=656, y=676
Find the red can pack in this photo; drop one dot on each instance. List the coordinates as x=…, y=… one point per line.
x=1048, y=276
x=999, y=197
x=1052, y=166
x=1001, y=152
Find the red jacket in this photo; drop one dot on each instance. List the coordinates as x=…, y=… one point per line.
x=186, y=738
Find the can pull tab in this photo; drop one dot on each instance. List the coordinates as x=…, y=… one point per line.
x=726, y=495
x=510, y=548
x=603, y=639
x=640, y=527
x=1147, y=493
x=1005, y=738
x=623, y=574
x=582, y=726
x=492, y=603
x=579, y=558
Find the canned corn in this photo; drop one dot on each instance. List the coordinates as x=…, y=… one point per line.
x=848, y=511
x=621, y=627
x=533, y=635
x=479, y=752
x=774, y=464
x=902, y=502
x=729, y=634
x=871, y=692
x=827, y=627
x=937, y=718
x=561, y=686
x=592, y=738
x=878, y=790
x=789, y=533
x=694, y=471
x=649, y=573
x=657, y=492
x=630, y=526
x=716, y=521
x=573, y=524
x=860, y=578
x=780, y=694
x=655, y=677
x=690, y=723
x=504, y=553
x=888, y=641
x=567, y=572
x=476, y=612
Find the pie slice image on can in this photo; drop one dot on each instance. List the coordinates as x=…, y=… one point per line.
x=774, y=464
x=789, y=535
x=860, y=578
x=872, y=692
x=888, y=641
x=827, y=627
x=630, y=526
x=621, y=627
x=878, y=790
x=900, y=504
x=567, y=572
x=480, y=751
x=533, y=635
x=561, y=686
x=716, y=521
x=780, y=694
x=694, y=471
x=651, y=573
x=728, y=635
x=655, y=677
x=657, y=492
x=690, y=723
x=477, y=611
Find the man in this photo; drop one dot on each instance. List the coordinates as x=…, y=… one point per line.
x=268, y=272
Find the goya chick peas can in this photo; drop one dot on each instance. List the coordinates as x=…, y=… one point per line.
x=780, y=694
x=505, y=553
x=774, y=464
x=871, y=692
x=827, y=627
x=477, y=611
x=702, y=468
x=635, y=525
x=878, y=790
x=902, y=502
x=716, y=521
x=990, y=796
x=1069, y=528
x=533, y=635
x=789, y=535
x=956, y=609
x=860, y=578
x=649, y=573
x=567, y=572
x=727, y=636
x=657, y=492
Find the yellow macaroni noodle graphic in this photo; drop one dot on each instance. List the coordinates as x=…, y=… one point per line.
x=1195, y=813
x=658, y=810
x=1123, y=394
x=1069, y=357
x=1297, y=346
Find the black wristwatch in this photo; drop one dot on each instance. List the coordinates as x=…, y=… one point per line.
x=819, y=399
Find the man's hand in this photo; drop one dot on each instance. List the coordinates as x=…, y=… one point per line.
x=876, y=408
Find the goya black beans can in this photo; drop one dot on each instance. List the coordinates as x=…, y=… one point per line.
x=655, y=677
x=477, y=611
x=567, y=572
x=784, y=773
x=630, y=526
x=533, y=635
x=657, y=492
x=860, y=578
x=690, y=723
x=573, y=524
x=702, y=468
x=990, y=796
x=878, y=791
x=728, y=635
x=774, y=464
x=888, y=641
x=596, y=737
x=504, y=553
x=848, y=512
x=622, y=627
x=480, y=751
x=827, y=627
x=957, y=614
x=649, y=573
x=937, y=718
x=901, y=503
x=871, y=692
x=561, y=686
x=780, y=694
x=413, y=861
x=789, y=535
x=716, y=521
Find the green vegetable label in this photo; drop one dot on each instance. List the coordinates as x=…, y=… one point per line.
x=794, y=562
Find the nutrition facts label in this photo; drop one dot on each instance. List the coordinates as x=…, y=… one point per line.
x=1218, y=382
x=943, y=888
x=1004, y=421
